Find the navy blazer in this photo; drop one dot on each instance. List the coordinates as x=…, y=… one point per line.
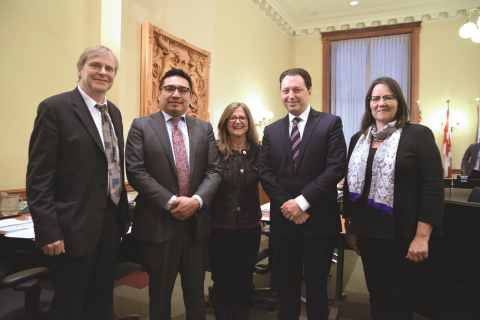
x=321, y=165
x=67, y=174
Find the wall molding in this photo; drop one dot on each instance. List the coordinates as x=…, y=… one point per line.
x=425, y=11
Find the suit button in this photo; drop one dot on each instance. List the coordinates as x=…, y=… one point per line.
x=102, y=208
x=104, y=185
x=238, y=209
x=294, y=179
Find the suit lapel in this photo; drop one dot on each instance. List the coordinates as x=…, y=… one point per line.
x=82, y=111
x=117, y=124
x=157, y=122
x=284, y=135
x=192, y=141
x=313, y=118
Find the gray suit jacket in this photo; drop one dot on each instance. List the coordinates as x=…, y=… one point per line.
x=151, y=171
x=472, y=155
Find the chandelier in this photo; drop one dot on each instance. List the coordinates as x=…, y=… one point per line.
x=470, y=29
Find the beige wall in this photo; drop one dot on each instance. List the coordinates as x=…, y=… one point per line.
x=251, y=53
x=41, y=42
x=449, y=70
x=307, y=54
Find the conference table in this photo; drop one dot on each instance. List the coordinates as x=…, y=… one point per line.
x=452, y=196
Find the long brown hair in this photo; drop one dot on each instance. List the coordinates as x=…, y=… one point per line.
x=402, y=116
x=224, y=139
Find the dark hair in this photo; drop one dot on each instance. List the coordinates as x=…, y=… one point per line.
x=300, y=72
x=176, y=72
x=224, y=139
x=402, y=116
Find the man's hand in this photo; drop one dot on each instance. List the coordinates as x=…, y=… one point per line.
x=54, y=248
x=301, y=218
x=183, y=207
x=464, y=173
x=291, y=210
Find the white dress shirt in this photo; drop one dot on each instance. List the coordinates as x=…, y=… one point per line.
x=301, y=201
x=182, y=125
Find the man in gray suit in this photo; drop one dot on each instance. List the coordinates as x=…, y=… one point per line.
x=471, y=168
x=173, y=163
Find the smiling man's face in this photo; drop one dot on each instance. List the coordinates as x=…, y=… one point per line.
x=97, y=75
x=174, y=104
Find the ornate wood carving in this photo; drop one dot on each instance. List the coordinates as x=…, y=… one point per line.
x=161, y=52
x=412, y=27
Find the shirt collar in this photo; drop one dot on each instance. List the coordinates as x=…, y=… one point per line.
x=89, y=101
x=168, y=117
x=303, y=116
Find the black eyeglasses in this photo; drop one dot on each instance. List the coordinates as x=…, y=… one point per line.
x=171, y=89
x=241, y=119
x=387, y=98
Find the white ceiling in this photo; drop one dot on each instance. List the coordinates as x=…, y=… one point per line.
x=298, y=18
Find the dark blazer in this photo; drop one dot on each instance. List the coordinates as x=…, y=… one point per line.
x=419, y=188
x=151, y=171
x=472, y=155
x=67, y=174
x=321, y=165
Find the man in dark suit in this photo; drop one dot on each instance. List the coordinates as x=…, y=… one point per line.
x=75, y=188
x=173, y=163
x=471, y=161
x=301, y=162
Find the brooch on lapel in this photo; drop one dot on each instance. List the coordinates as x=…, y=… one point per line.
x=255, y=167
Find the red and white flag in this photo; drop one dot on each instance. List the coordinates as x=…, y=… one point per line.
x=447, y=143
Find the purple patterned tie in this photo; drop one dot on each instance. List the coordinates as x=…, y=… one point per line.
x=295, y=139
x=181, y=160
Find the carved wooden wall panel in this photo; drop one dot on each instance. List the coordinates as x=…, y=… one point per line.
x=161, y=52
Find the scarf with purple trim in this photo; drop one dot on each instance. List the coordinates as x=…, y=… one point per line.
x=383, y=168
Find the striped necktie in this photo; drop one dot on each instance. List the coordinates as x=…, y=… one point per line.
x=110, y=143
x=181, y=160
x=295, y=139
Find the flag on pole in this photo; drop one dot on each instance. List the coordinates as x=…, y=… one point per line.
x=478, y=126
x=447, y=143
x=420, y=120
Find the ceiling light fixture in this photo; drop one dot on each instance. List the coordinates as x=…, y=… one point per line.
x=470, y=29
x=353, y=3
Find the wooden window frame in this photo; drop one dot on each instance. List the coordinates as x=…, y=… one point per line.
x=411, y=27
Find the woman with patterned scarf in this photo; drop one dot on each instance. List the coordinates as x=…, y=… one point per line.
x=393, y=198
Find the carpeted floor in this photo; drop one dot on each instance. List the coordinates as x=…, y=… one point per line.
x=131, y=293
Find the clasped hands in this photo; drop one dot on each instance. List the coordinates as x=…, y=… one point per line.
x=292, y=212
x=183, y=207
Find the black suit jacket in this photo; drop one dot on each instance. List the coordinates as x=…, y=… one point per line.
x=419, y=188
x=472, y=155
x=152, y=172
x=67, y=174
x=321, y=165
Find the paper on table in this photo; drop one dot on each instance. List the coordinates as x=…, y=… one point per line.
x=265, y=212
x=10, y=222
x=24, y=234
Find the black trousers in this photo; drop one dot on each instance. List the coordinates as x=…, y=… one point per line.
x=391, y=278
x=180, y=253
x=297, y=257
x=233, y=254
x=84, y=285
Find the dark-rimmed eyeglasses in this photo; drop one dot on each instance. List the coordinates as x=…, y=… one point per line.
x=241, y=119
x=171, y=89
x=386, y=98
